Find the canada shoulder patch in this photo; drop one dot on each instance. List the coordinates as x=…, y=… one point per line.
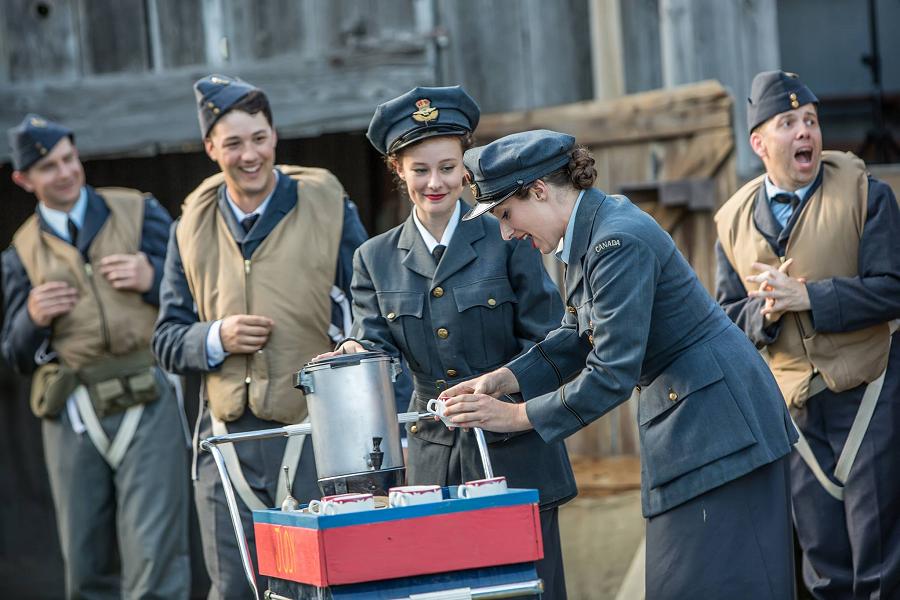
x=607, y=245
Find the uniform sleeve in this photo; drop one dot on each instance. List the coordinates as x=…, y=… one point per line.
x=743, y=310
x=154, y=238
x=179, y=340
x=851, y=303
x=21, y=338
x=369, y=327
x=352, y=235
x=538, y=309
x=623, y=283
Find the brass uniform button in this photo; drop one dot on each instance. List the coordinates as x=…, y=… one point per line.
x=571, y=309
x=443, y=333
x=451, y=372
x=391, y=316
x=414, y=429
x=440, y=385
x=492, y=302
x=437, y=292
x=672, y=395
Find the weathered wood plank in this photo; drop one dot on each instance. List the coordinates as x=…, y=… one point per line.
x=659, y=114
x=37, y=40
x=134, y=121
x=113, y=36
x=642, y=54
x=501, y=52
x=182, y=40
x=727, y=41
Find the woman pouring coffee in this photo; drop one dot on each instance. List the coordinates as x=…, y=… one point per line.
x=714, y=429
x=455, y=300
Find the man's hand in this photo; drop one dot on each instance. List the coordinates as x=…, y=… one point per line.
x=245, y=334
x=782, y=293
x=50, y=300
x=348, y=347
x=486, y=412
x=496, y=383
x=132, y=272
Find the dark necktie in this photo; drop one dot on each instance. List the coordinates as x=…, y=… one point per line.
x=73, y=232
x=438, y=252
x=791, y=199
x=248, y=222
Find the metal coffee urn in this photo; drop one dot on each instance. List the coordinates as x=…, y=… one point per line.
x=353, y=416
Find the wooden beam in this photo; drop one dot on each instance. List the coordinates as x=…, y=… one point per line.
x=655, y=115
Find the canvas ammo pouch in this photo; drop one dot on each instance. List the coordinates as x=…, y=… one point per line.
x=51, y=386
x=114, y=384
x=118, y=383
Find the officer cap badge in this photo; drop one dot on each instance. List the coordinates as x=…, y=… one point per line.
x=38, y=122
x=425, y=112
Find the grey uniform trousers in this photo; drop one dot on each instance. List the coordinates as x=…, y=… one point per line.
x=124, y=533
x=261, y=463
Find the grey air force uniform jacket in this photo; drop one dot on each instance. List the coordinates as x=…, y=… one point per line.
x=486, y=302
x=709, y=409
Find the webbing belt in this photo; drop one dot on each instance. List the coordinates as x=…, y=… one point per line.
x=112, y=451
x=292, y=450
x=854, y=438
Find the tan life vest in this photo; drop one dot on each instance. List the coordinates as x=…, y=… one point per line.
x=824, y=243
x=105, y=322
x=288, y=278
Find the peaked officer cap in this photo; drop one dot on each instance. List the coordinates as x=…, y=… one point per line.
x=420, y=113
x=505, y=166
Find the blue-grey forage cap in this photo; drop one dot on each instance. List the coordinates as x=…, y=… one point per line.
x=422, y=112
x=775, y=92
x=502, y=167
x=34, y=137
x=216, y=94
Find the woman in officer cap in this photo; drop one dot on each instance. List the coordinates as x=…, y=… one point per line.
x=713, y=426
x=456, y=301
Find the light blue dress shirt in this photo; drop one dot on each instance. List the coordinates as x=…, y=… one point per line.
x=58, y=219
x=563, y=254
x=782, y=211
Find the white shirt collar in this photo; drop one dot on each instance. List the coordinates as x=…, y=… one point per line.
x=58, y=219
x=241, y=215
x=772, y=189
x=564, y=250
x=429, y=240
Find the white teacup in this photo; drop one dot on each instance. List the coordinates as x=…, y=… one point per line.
x=411, y=495
x=482, y=487
x=339, y=504
x=437, y=407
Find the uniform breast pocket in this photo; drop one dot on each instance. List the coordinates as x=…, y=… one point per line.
x=487, y=313
x=689, y=418
x=403, y=313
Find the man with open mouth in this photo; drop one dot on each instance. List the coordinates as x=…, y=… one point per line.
x=809, y=267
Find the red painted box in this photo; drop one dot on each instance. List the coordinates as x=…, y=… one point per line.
x=388, y=543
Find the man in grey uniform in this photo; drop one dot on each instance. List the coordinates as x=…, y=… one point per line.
x=80, y=290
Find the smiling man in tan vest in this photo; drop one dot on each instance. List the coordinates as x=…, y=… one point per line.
x=257, y=283
x=809, y=267
x=80, y=290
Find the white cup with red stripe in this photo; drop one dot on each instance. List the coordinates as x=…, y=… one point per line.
x=340, y=504
x=482, y=487
x=411, y=495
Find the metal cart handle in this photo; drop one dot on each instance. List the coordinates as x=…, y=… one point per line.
x=209, y=445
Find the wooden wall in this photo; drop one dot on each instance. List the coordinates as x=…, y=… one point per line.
x=672, y=151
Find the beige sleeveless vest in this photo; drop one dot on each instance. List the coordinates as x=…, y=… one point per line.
x=105, y=322
x=288, y=278
x=824, y=243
